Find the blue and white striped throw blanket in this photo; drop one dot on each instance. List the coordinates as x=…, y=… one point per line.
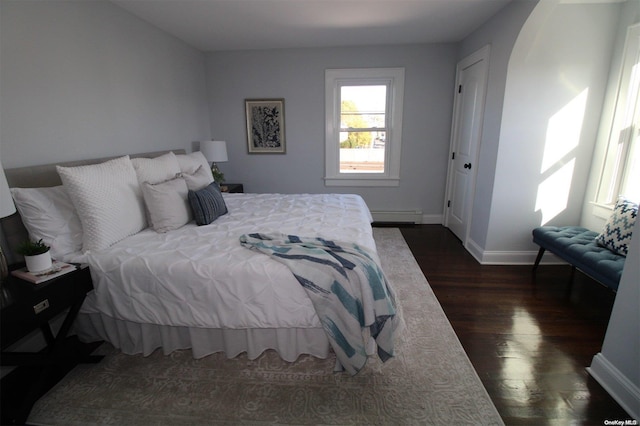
x=348, y=290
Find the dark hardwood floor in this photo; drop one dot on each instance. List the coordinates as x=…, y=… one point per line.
x=529, y=338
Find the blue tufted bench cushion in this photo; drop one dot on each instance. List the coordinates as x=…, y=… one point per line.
x=577, y=246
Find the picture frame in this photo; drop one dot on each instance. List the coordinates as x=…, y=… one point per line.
x=265, y=126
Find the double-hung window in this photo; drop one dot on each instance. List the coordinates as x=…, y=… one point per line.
x=363, y=126
x=621, y=171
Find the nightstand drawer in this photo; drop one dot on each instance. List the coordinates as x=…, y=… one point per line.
x=48, y=302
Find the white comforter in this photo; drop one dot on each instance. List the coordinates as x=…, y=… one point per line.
x=202, y=276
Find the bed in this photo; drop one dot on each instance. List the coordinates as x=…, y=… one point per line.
x=190, y=287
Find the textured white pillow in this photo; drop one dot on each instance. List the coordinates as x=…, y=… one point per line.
x=159, y=169
x=198, y=179
x=167, y=204
x=108, y=200
x=48, y=214
x=189, y=163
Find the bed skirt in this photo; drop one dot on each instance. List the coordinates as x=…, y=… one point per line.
x=134, y=338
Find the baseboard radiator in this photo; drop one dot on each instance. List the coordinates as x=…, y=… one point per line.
x=408, y=216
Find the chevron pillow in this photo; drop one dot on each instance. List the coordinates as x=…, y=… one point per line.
x=616, y=234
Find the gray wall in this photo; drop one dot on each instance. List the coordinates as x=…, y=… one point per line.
x=297, y=75
x=561, y=50
x=501, y=33
x=616, y=367
x=88, y=79
x=85, y=79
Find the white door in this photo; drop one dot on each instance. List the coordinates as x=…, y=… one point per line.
x=466, y=133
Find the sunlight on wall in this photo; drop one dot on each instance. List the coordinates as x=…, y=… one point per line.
x=563, y=137
x=563, y=131
x=553, y=192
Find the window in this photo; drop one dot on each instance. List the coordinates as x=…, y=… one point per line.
x=621, y=171
x=363, y=126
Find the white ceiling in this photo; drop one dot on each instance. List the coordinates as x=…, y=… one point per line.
x=211, y=25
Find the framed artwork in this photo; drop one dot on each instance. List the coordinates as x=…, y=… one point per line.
x=265, y=126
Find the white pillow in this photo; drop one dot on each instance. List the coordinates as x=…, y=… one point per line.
x=189, y=163
x=48, y=214
x=167, y=203
x=199, y=179
x=159, y=169
x=108, y=200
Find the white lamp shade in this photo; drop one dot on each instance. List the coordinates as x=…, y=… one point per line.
x=214, y=151
x=7, y=208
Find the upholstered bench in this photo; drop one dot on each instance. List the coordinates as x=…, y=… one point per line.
x=578, y=247
x=600, y=256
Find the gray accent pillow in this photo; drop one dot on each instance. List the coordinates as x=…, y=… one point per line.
x=207, y=204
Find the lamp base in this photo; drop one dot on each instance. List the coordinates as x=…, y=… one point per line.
x=218, y=176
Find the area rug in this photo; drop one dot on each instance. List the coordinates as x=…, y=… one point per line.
x=431, y=381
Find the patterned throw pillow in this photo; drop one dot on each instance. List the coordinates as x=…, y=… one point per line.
x=616, y=235
x=207, y=204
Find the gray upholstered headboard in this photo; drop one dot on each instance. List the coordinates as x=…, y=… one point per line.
x=45, y=175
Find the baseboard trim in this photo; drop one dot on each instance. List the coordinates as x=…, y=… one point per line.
x=408, y=216
x=509, y=257
x=498, y=257
x=475, y=250
x=626, y=393
x=432, y=219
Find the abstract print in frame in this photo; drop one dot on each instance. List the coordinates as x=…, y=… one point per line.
x=265, y=126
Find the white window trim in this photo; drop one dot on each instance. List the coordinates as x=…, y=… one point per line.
x=612, y=171
x=334, y=79
x=602, y=211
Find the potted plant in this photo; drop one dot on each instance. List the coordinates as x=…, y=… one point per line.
x=218, y=176
x=36, y=255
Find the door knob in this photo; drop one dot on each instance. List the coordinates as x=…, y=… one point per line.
x=467, y=166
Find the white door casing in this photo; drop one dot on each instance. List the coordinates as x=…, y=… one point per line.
x=466, y=134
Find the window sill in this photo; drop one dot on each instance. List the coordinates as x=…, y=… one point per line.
x=603, y=211
x=344, y=181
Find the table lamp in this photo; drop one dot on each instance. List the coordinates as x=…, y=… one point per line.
x=215, y=152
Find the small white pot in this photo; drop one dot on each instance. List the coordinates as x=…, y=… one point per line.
x=39, y=262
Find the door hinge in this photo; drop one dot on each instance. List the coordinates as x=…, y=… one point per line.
x=460, y=88
x=453, y=155
x=449, y=203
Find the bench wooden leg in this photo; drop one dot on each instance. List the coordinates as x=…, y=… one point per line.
x=539, y=258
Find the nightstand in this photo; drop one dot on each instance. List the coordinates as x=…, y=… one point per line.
x=28, y=307
x=232, y=187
